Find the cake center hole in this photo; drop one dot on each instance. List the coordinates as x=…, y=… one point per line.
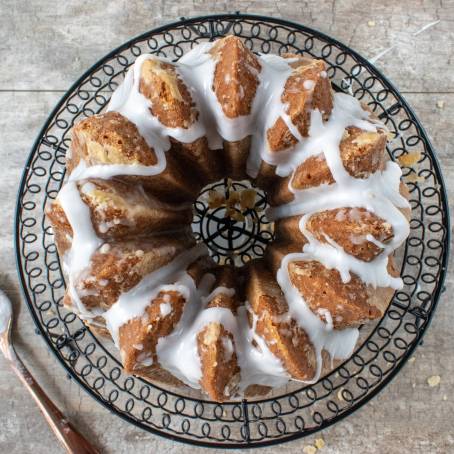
x=229, y=217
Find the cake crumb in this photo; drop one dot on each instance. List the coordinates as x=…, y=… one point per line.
x=413, y=385
x=414, y=178
x=371, y=23
x=215, y=199
x=319, y=443
x=445, y=397
x=434, y=380
x=409, y=159
x=441, y=104
x=412, y=359
x=247, y=198
x=309, y=449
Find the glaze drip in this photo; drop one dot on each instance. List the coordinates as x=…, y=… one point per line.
x=379, y=193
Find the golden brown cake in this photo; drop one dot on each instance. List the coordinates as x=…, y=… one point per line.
x=122, y=221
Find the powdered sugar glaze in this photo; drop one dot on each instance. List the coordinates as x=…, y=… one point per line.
x=379, y=194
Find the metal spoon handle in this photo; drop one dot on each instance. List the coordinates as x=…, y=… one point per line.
x=70, y=438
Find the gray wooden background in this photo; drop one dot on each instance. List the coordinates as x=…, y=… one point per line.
x=45, y=45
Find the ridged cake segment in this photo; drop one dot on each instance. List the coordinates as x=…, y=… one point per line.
x=170, y=99
x=118, y=267
x=172, y=104
x=307, y=88
x=216, y=345
x=235, y=79
x=352, y=229
x=111, y=139
x=202, y=266
x=139, y=337
x=276, y=251
x=348, y=304
x=285, y=339
x=235, y=84
x=118, y=211
x=108, y=138
x=235, y=156
x=313, y=172
x=197, y=158
x=288, y=230
x=362, y=153
x=356, y=230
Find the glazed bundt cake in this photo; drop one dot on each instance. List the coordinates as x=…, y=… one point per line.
x=122, y=221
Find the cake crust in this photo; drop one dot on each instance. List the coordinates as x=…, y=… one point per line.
x=285, y=339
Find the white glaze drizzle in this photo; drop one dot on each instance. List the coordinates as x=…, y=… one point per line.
x=133, y=303
x=106, y=171
x=379, y=193
x=338, y=343
x=132, y=104
x=84, y=242
x=196, y=69
x=230, y=292
x=178, y=352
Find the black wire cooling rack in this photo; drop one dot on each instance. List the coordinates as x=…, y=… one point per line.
x=294, y=411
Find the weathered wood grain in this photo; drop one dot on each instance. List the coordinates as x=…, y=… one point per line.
x=46, y=45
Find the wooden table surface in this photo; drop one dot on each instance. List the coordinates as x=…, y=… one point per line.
x=45, y=45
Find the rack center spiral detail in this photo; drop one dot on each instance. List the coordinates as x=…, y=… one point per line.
x=230, y=218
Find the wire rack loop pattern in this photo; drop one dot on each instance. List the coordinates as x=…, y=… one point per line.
x=297, y=410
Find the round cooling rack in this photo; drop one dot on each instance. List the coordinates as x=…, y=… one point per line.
x=296, y=410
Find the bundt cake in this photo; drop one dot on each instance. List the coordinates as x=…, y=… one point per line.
x=122, y=221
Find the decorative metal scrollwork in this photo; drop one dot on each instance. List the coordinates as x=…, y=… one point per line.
x=296, y=410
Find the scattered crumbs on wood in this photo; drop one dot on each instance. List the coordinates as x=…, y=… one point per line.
x=440, y=104
x=445, y=397
x=309, y=449
x=319, y=443
x=413, y=385
x=434, y=380
x=371, y=23
x=412, y=359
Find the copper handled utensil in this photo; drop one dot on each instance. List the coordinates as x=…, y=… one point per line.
x=68, y=436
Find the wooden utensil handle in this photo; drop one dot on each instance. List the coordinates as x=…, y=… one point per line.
x=70, y=438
